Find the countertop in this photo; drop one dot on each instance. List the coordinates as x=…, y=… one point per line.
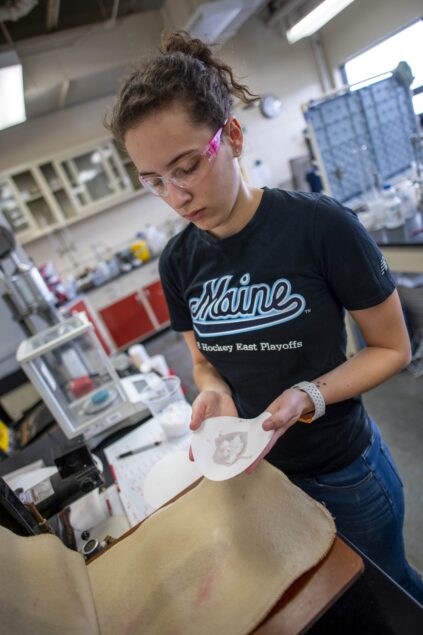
x=142, y=266
x=129, y=282
x=404, y=236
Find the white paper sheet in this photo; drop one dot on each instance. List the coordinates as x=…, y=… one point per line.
x=171, y=475
x=130, y=472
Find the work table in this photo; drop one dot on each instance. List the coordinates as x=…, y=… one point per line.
x=408, y=235
x=402, y=247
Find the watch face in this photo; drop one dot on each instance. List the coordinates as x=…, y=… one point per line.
x=270, y=106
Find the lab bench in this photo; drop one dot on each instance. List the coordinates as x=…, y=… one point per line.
x=403, y=246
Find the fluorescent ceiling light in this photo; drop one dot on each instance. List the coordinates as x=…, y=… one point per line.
x=12, y=105
x=317, y=18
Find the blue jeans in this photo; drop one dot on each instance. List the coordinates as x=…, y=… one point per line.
x=367, y=502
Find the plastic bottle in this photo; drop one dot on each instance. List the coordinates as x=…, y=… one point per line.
x=407, y=194
x=140, y=248
x=392, y=203
x=156, y=239
x=376, y=207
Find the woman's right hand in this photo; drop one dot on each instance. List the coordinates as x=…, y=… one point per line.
x=210, y=403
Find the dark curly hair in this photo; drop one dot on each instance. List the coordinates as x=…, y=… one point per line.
x=184, y=71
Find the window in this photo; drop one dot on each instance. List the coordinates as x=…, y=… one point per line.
x=406, y=45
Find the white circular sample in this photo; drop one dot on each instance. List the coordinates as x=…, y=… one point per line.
x=225, y=446
x=168, y=477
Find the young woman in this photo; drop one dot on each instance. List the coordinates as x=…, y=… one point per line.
x=258, y=284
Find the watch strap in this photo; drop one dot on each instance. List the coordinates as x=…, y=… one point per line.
x=316, y=397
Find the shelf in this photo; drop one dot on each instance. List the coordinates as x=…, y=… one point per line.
x=65, y=204
x=33, y=198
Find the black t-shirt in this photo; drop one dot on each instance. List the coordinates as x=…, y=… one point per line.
x=267, y=309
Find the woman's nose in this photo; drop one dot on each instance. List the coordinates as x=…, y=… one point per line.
x=177, y=197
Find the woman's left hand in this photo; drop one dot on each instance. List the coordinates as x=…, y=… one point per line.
x=285, y=410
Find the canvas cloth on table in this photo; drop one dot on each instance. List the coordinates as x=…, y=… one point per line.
x=215, y=561
x=44, y=588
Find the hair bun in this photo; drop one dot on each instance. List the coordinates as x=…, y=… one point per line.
x=182, y=42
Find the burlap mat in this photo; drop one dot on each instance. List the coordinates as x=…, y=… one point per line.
x=212, y=563
x=215, y=561
x=44, y=588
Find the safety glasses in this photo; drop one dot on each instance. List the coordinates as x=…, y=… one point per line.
x=188, y=171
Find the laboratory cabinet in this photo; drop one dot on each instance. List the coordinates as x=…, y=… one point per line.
x=14, y=211
x=136, y=316
x=154, y=295
x=59, y=190
x=26, y=205
x=128, y=319
x=131, y=307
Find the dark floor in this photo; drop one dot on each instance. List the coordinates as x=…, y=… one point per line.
x=397, y=407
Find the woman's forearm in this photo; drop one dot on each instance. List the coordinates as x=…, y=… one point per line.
x=367, y=369
x=364, y=371
x=388, y=351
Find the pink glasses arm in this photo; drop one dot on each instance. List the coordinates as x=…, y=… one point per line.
x=213, y=147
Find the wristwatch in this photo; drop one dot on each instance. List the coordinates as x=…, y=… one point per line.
x=316, y=397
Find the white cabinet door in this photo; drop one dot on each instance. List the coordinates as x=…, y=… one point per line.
x=14, y=212
x=60, y=190
x=35, y=199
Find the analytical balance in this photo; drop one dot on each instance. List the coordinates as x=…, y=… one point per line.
x=70, y=370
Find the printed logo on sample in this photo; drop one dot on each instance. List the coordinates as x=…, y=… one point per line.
x=224, y=308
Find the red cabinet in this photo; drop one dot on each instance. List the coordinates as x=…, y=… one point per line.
x=128, y=320
x=154, y=295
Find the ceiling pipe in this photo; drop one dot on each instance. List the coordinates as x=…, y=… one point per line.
x=115, y=11
x=63, y=93
x=324, y=72
x=53, y=10
x=6, y=34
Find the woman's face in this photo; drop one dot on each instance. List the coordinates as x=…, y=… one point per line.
x=162, y=137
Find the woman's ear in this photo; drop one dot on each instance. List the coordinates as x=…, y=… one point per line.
x=235, y=136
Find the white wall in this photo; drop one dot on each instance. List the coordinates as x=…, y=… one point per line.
x=362, y=24
x=110, y=230
x=266, y=62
